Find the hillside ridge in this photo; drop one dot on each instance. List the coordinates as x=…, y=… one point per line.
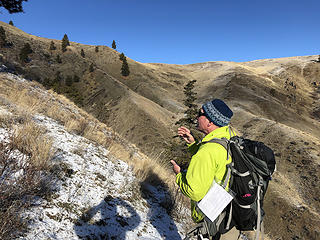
x=276, y=101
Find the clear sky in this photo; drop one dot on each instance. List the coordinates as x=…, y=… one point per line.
x=180, y=31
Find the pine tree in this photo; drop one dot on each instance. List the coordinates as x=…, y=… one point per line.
x=52, y=46
x=176, y=149
x=97, y=49
x=3, y=38
x=76, y=78
x=57, y=83
x=11, y=23
x=69, y=81
x=58, y=59
x=125, y=67
x=65, y=43
x=114, y=46
x=91, y=68
x=13, y=6
x=121, y=56
x=191, y=111
x=24, y=52
x=82, y=53
x=47, y=83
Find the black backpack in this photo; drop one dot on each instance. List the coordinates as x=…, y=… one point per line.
x=249, y=172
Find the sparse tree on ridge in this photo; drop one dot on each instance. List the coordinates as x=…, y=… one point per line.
x=24, y=52
x=3, y=38
x=82, y=53
x=58, y=59
x=69, y=80
x=121, y=56
x=97, y=49
x=13, y=6
x=114, y=46
x=91, y=68
x=76, y=78
x=52, y=46
x=65, y=43
x=11, y=23
x=125, y=67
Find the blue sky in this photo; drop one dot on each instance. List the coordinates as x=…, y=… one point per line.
x=180, y=32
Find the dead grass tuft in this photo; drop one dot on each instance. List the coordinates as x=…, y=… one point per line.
x=24, y=174
x=98, y=133
x=78, y=126
x=30, y=140
x=154, y=172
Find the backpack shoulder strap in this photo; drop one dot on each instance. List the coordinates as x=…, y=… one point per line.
x=226, y=144
x=222, y=141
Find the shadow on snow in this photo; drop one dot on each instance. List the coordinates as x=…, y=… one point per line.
x=161, y=203
x=104, y=222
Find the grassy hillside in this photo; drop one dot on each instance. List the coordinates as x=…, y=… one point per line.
x=274, y=100
x=104, y=92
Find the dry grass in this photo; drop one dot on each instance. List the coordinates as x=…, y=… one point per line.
x=24, y=174
x=155, y=172
x=32, y=98
x=30, y=139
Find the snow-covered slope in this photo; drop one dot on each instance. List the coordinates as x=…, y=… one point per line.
x=99, y=200
x=96, y=195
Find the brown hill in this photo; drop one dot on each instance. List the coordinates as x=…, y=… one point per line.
x=274, y=100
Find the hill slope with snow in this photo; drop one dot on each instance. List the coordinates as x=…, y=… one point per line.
x=95, y=195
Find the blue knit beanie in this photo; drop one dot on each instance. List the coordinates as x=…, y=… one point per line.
x=217, y=112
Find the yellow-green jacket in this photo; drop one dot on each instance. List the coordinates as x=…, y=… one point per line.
x=208, y=163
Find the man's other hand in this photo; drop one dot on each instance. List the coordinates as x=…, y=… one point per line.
x=176, y=168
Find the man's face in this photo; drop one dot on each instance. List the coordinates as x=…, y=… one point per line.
x=202, y=121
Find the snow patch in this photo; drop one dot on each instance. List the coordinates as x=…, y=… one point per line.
x=100, y=198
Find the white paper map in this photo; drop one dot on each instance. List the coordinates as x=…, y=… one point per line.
x=215, y=201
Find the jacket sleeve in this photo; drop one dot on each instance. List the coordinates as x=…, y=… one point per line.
x=193, y=147
x=196, y=182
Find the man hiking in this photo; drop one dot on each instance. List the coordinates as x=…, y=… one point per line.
x=208, y=162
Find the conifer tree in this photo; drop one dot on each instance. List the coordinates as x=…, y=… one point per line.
x=114, y=46
x=76, y=78
x=121, y=56
x=11, y=23
x=47, y=83
x=52, y=46
x=125, y=67
x=91, y=68
x=69, y=81
x=3, y=39
x=176, y=149
x=13, y=6
x=82, y=53
x=65, y=43
x=97, y=49
x=58, y=59
x=191, y=111
x=24, y=52
x=57, y=83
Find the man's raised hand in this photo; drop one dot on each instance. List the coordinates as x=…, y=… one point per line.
x=185, y=134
